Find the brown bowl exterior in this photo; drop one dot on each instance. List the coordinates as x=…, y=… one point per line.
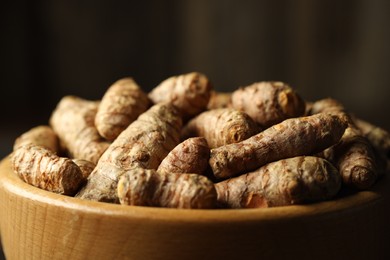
x=37, y=224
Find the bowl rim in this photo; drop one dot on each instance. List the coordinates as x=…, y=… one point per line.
x=12, y=184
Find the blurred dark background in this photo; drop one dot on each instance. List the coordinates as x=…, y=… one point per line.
x=322, y=48
x=49, y=49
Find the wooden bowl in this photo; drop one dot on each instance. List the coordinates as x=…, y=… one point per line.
x=37, y=224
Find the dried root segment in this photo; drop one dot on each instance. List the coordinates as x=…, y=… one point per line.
x=291, y=181
x=378, y=137
x=219, y=100
x=353, y=155
x=123, y=102
x=41, y=136
x=142, y=187
x=189, y=92
x=355, y=159
x=268, y=103
x=221, y=126
x=42, y=168
x=143, y=144
x=73, y=121
x=293, y=137
x=85, y=166
x=191, y=155
x=147, y=141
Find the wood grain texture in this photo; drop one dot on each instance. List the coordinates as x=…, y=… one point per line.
x=37, y=224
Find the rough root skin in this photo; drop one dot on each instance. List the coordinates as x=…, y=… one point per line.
x=73, y=121
x=268, y=103
x=85, y=166
x=41, y=135
x=355, y=159
x=143, y=187
x=189, y=92
x=290, y=138
x=221, y=126
x=353, y=155
x=192, y=155
x=122, y=103
x=42, y=168
x=286, y=182
x=379, y=138
x=144, y=143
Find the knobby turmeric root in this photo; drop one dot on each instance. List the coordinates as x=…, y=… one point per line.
x=143, y=144
x=189, y=92
x=73, y=121
x=122, y=103
x=143, y=187
x=42, y=168
x=221, y=126
x=355, y=159
x=378, y=137
x=268, y=103
x=286, y=182
x=353, y=155
x=290, y=138
x=40, y=135
x=192, y=155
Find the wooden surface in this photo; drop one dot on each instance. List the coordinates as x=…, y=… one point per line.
x=36, y=224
